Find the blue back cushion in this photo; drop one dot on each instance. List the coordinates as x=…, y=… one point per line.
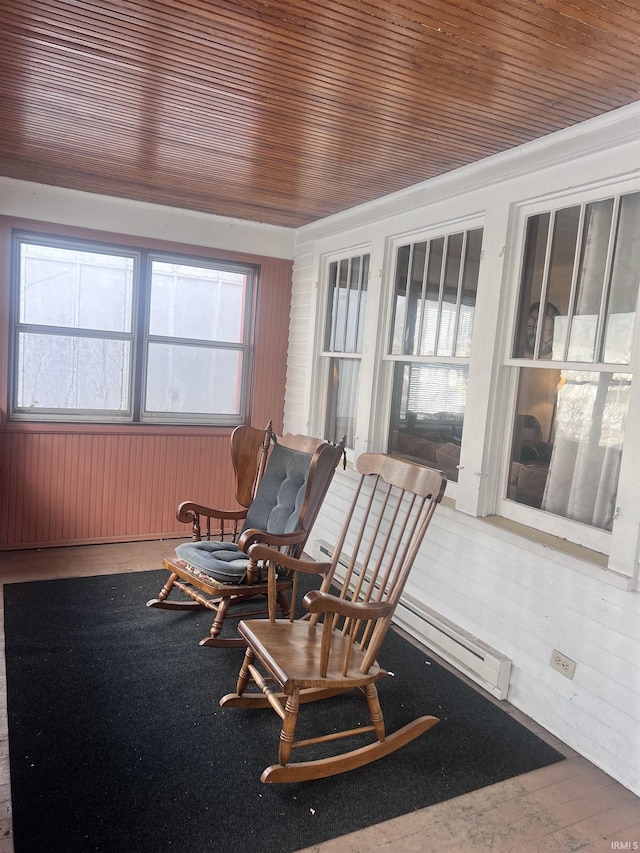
x=276, y=506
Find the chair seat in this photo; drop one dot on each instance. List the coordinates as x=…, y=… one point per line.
x=291, y=650
x=223, y=561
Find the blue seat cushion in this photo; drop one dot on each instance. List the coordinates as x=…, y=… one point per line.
x=275, y=509
x=223, y=561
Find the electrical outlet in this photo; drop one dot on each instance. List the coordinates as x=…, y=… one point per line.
x=562, y=663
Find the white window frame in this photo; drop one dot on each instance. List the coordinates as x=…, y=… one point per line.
x=319, y=402
x=621, y=544
x=387, y=360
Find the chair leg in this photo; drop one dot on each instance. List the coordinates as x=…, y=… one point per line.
x=163, y=604
x=166, y=589
x=245, y=676
x=288, y=728
x=222, y=606
x=375, y=711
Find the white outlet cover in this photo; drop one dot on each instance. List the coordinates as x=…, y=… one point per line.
x=564, y=665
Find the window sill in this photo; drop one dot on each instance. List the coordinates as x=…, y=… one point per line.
x=593, y=563
x=114, y=428
x=533, y=535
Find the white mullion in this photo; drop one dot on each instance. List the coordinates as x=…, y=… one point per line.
x=606, y=280
x=406, y=297
x=358, y=302
x=345, y=324
x=443, y=271
x=545, y=286
x=423, y=295
x=574, y=280
x=456, y=322
x=624, y=555
x=333, y=297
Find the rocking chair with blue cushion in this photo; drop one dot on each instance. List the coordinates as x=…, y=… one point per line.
x=291, y=476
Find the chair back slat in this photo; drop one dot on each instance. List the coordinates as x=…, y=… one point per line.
x=378, y=531
x=377, y=547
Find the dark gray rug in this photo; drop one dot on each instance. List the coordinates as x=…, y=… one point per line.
x=118, y=745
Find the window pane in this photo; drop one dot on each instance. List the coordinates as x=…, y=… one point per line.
x=193, y=380
x=340, y=307
x=414, y=301
x=346, y=304
x=625, y=278
x=77, y=331
x=567, y=443
x=531, y=284
x=197, y=303
x=434, y=273
x=590, y=283
x=354, y=294
x=400, y=300
x=74, y=289
x=432, y=298
x=343, y=386
x=428, y=414
x=73, y=374
x=448, y=310
x=435, y=294
x=562, y=263
x=588, y=280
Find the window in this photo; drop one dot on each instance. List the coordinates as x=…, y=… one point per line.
x=433, y=311
x=344, y=328
x=112, y=334
x=572, y=347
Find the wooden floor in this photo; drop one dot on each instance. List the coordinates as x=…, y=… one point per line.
x=568, y=806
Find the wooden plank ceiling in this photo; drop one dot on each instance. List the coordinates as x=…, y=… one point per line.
x=287, y=111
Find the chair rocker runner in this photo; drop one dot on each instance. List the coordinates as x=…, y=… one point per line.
x=335, y=647
x=280, y=485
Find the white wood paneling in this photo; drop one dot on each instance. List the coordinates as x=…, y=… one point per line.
x=122, y=216
x=516, y=592
x=524, y=600
x=301, y=344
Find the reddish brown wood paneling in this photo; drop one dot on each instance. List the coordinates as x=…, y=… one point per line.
x=70, y=488
x=272, y=339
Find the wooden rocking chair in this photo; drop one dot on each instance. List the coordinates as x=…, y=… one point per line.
x=308, y=659
x=280, y=485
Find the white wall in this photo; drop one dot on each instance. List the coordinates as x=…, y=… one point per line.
x=139, y=219
x=518, y=593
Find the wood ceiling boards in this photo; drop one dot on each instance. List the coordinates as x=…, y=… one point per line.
x=285, y=112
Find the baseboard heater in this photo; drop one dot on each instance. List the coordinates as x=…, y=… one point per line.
x=478, y=661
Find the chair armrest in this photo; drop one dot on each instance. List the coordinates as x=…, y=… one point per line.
x=187, y=509
x=277, y=540
x=323, y=602
x=260, y=552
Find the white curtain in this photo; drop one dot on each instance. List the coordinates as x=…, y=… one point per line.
x=582, y=483
x=585, y=463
